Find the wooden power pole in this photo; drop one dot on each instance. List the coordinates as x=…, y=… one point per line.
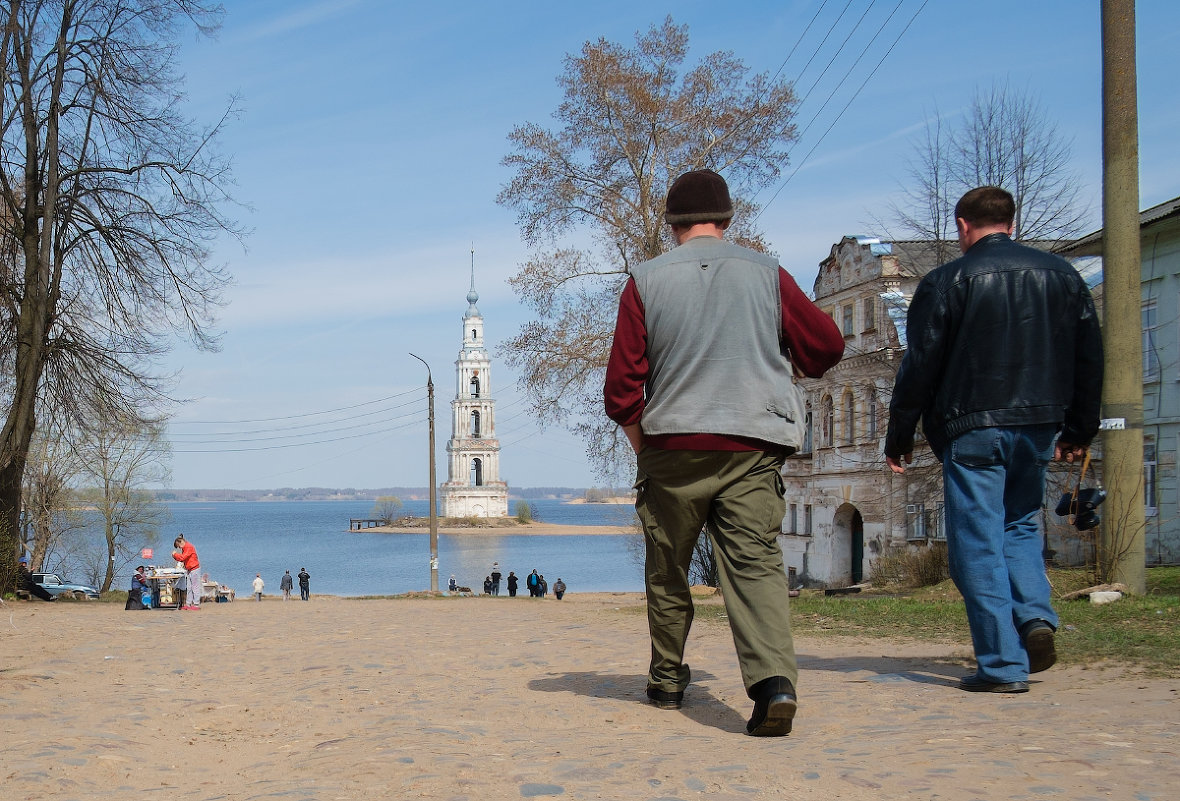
x=1121, y=555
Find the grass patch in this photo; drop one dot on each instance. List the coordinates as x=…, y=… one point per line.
x=1140, y=632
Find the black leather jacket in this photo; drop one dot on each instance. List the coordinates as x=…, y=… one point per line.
x=1005, y=335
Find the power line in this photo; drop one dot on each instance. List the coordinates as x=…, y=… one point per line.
x=851, y=100
x=298, y=444
x=305, y=414
x=384, y=410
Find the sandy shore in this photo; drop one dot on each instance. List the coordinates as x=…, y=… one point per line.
x=497, y=698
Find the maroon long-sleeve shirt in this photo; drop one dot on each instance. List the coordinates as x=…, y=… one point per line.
x=811, y=337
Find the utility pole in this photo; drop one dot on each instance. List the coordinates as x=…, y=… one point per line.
x=433, y=502
x=1121, y=554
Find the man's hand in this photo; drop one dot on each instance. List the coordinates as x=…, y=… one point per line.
x=1068, y=451
x=896, y=464
x=634, y=436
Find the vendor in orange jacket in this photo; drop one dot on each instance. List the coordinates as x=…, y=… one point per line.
x=186, y=555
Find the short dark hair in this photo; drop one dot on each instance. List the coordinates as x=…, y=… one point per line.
x=986, y=205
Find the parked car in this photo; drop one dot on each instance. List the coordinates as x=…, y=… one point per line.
x=55, y=586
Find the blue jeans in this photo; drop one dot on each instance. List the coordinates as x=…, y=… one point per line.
x=993, y=484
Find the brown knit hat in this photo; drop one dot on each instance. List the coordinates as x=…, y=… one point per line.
x=698, y=196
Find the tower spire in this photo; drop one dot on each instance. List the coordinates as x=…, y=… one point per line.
x=472, y=295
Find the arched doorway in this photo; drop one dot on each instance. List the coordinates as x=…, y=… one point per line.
x=848, y=544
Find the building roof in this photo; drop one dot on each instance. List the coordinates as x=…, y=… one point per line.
x=1091, y=245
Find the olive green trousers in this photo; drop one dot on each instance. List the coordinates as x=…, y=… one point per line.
x=737, y=498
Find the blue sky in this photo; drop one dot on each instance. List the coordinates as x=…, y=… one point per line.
x=369, y=153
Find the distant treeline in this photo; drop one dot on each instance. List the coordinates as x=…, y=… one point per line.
x=352, y=494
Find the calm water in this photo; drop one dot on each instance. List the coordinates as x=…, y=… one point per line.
x=236, y=540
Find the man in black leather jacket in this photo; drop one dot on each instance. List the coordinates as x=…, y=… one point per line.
x=1004, y=354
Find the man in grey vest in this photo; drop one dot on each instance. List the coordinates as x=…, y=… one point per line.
x=709, y=338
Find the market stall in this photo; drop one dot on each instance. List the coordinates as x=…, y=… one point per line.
x=165, y=583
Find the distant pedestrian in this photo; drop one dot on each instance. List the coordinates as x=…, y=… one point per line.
x=512, y=583
x=286, y=584
x=258, y=585
x=487, y=586
x=559, y=588
x=495, y=578
x=304, y=583
x=186, y=555
x=452, y=585
x=542, y=586
x=532, y=582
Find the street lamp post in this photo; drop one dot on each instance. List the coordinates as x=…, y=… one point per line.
x=433, y=504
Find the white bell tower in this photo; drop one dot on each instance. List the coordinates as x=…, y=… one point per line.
x=473, y=487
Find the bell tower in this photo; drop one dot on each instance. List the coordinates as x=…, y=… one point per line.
x=473, y=487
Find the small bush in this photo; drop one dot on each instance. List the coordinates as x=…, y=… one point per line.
x=523, y=513
x=911, y=566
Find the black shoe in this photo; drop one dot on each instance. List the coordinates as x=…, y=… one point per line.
x=774, y=707
x=974, y=684
x=664, y=699
x=1037, y=636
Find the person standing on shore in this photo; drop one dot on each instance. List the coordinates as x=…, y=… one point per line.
x=286, y=584
x=495, y=578
x=258, y=585
x=701, y=377
x=304, y=583
x=186, y=555
x=513, y=581
x=1004, y=357
x=558, y=588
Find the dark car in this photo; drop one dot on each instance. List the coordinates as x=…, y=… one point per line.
x=54, y=585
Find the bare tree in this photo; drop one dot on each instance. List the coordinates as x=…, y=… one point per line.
x=109, y=200
x=51, y=516
x=116, y=465
x=1004, y=139
x=387, y=509
x=633, y=119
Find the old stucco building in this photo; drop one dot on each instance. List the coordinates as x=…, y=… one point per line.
x=844, y=506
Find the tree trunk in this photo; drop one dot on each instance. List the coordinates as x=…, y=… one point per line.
x=10, y=483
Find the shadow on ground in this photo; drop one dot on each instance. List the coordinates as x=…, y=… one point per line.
x=946, y=670
x=700, y=704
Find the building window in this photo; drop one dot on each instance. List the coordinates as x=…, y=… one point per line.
x=827, y=421
x=1151, y=359
x=872, y=412
x=475, y=432
x=915, y=521
x=475, y=386
x=807, y=520
x=477, y=472
x=937, y=525
x=1150, y=505
x=848, y=324
x=793, y=519
x=807, y=426
x=849, y=415
x=870, y=313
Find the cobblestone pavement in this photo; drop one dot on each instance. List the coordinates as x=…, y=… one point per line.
x=482, y=698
